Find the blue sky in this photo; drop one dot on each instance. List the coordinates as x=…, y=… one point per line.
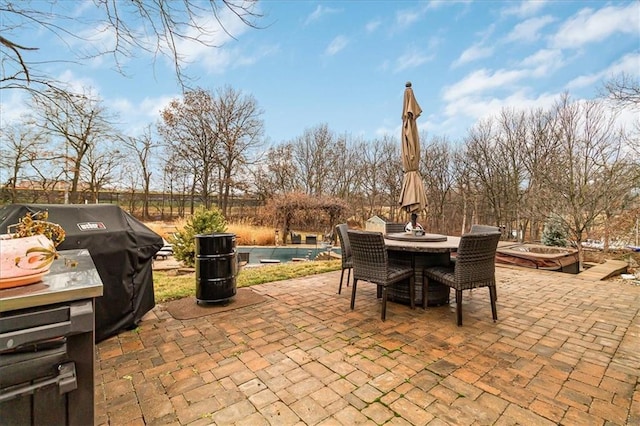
x=345, y=63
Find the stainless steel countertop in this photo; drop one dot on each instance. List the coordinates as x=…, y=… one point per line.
x=63, y=283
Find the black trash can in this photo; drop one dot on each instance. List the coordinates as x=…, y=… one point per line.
x=216, y=267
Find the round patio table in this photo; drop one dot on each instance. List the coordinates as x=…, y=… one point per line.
x=421, y=253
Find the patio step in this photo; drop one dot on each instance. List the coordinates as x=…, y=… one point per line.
x=602, y=271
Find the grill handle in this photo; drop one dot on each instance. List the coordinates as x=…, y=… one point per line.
x=66, y=381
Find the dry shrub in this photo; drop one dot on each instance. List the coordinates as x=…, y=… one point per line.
x=164, y=229
x=252, y=235
x=246, y=233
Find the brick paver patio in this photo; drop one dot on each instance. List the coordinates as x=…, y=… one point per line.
x=564, y=351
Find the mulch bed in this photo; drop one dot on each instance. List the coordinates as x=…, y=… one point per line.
x=187, y=307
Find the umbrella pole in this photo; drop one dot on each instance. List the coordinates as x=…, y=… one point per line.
x=414, y=220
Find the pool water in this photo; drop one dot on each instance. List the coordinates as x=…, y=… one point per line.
x=283, y=254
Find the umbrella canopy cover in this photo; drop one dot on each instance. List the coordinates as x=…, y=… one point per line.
x=413, y=198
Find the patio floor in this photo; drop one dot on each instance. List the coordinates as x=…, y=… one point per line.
x=564, y=351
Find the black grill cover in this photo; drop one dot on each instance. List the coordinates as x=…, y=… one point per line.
x=122, y=249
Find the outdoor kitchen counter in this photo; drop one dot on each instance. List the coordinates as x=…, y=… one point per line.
x=47, y=345
x=64, y=283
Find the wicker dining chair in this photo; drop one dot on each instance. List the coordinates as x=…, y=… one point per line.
x=475, y=267
x=345, y=250
x=483, y=229
x=371, y=264
x=394, y=227
x=479, y=229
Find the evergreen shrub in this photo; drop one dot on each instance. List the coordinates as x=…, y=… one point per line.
x=203, y=221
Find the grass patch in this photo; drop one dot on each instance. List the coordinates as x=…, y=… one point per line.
x=170, y=287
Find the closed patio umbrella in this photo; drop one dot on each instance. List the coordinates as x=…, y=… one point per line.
x=413, y=198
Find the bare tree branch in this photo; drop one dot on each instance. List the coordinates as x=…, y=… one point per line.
x=623, y=89
x=157, y=27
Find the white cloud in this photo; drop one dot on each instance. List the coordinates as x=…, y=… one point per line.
x=371, y=26
x=214, y=53
x=478, y=108
x=411, y=59
x=13, y=105
x=434, y=42
x=475, y=52
x=100, y=37
x=195, y=46
x=543, y=62
x=629, y=64
x=529, y=30
x=539, y=64
x=384, y=66
x=77, y=84
x=336, y=45
x=134, y=118
x=525, y=8
x=319, y=12
x=220, y=60
x=151, y=107
x=480, y=81
x=123, y=107
x=589, y=26
x=407, y=17
x=437, y=4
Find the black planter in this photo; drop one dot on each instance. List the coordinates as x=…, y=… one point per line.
x=216, y=267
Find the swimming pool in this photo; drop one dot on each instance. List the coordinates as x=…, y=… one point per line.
x=283, y=254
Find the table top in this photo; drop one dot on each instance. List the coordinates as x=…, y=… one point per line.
x=409, y=236
x=62, y=284
x=451, y=244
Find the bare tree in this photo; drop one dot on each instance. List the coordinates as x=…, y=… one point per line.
x=21, y=144
x=188, y=128
x=623, y=89
x=392, y=175
x=313, y=155
x=238, y=129
x=538, y=156
x=130, y=182
x=177, y=181
x=439, y=178
x=587, y=177
x=77, y=123
x=158, y=27
x=344, y=170
x=464, y=188
x=214, y=136
x=276, y=174
x=98, y=168
x=373, y=172
x=142, y=149
x=485, y=168
x=511, y=144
